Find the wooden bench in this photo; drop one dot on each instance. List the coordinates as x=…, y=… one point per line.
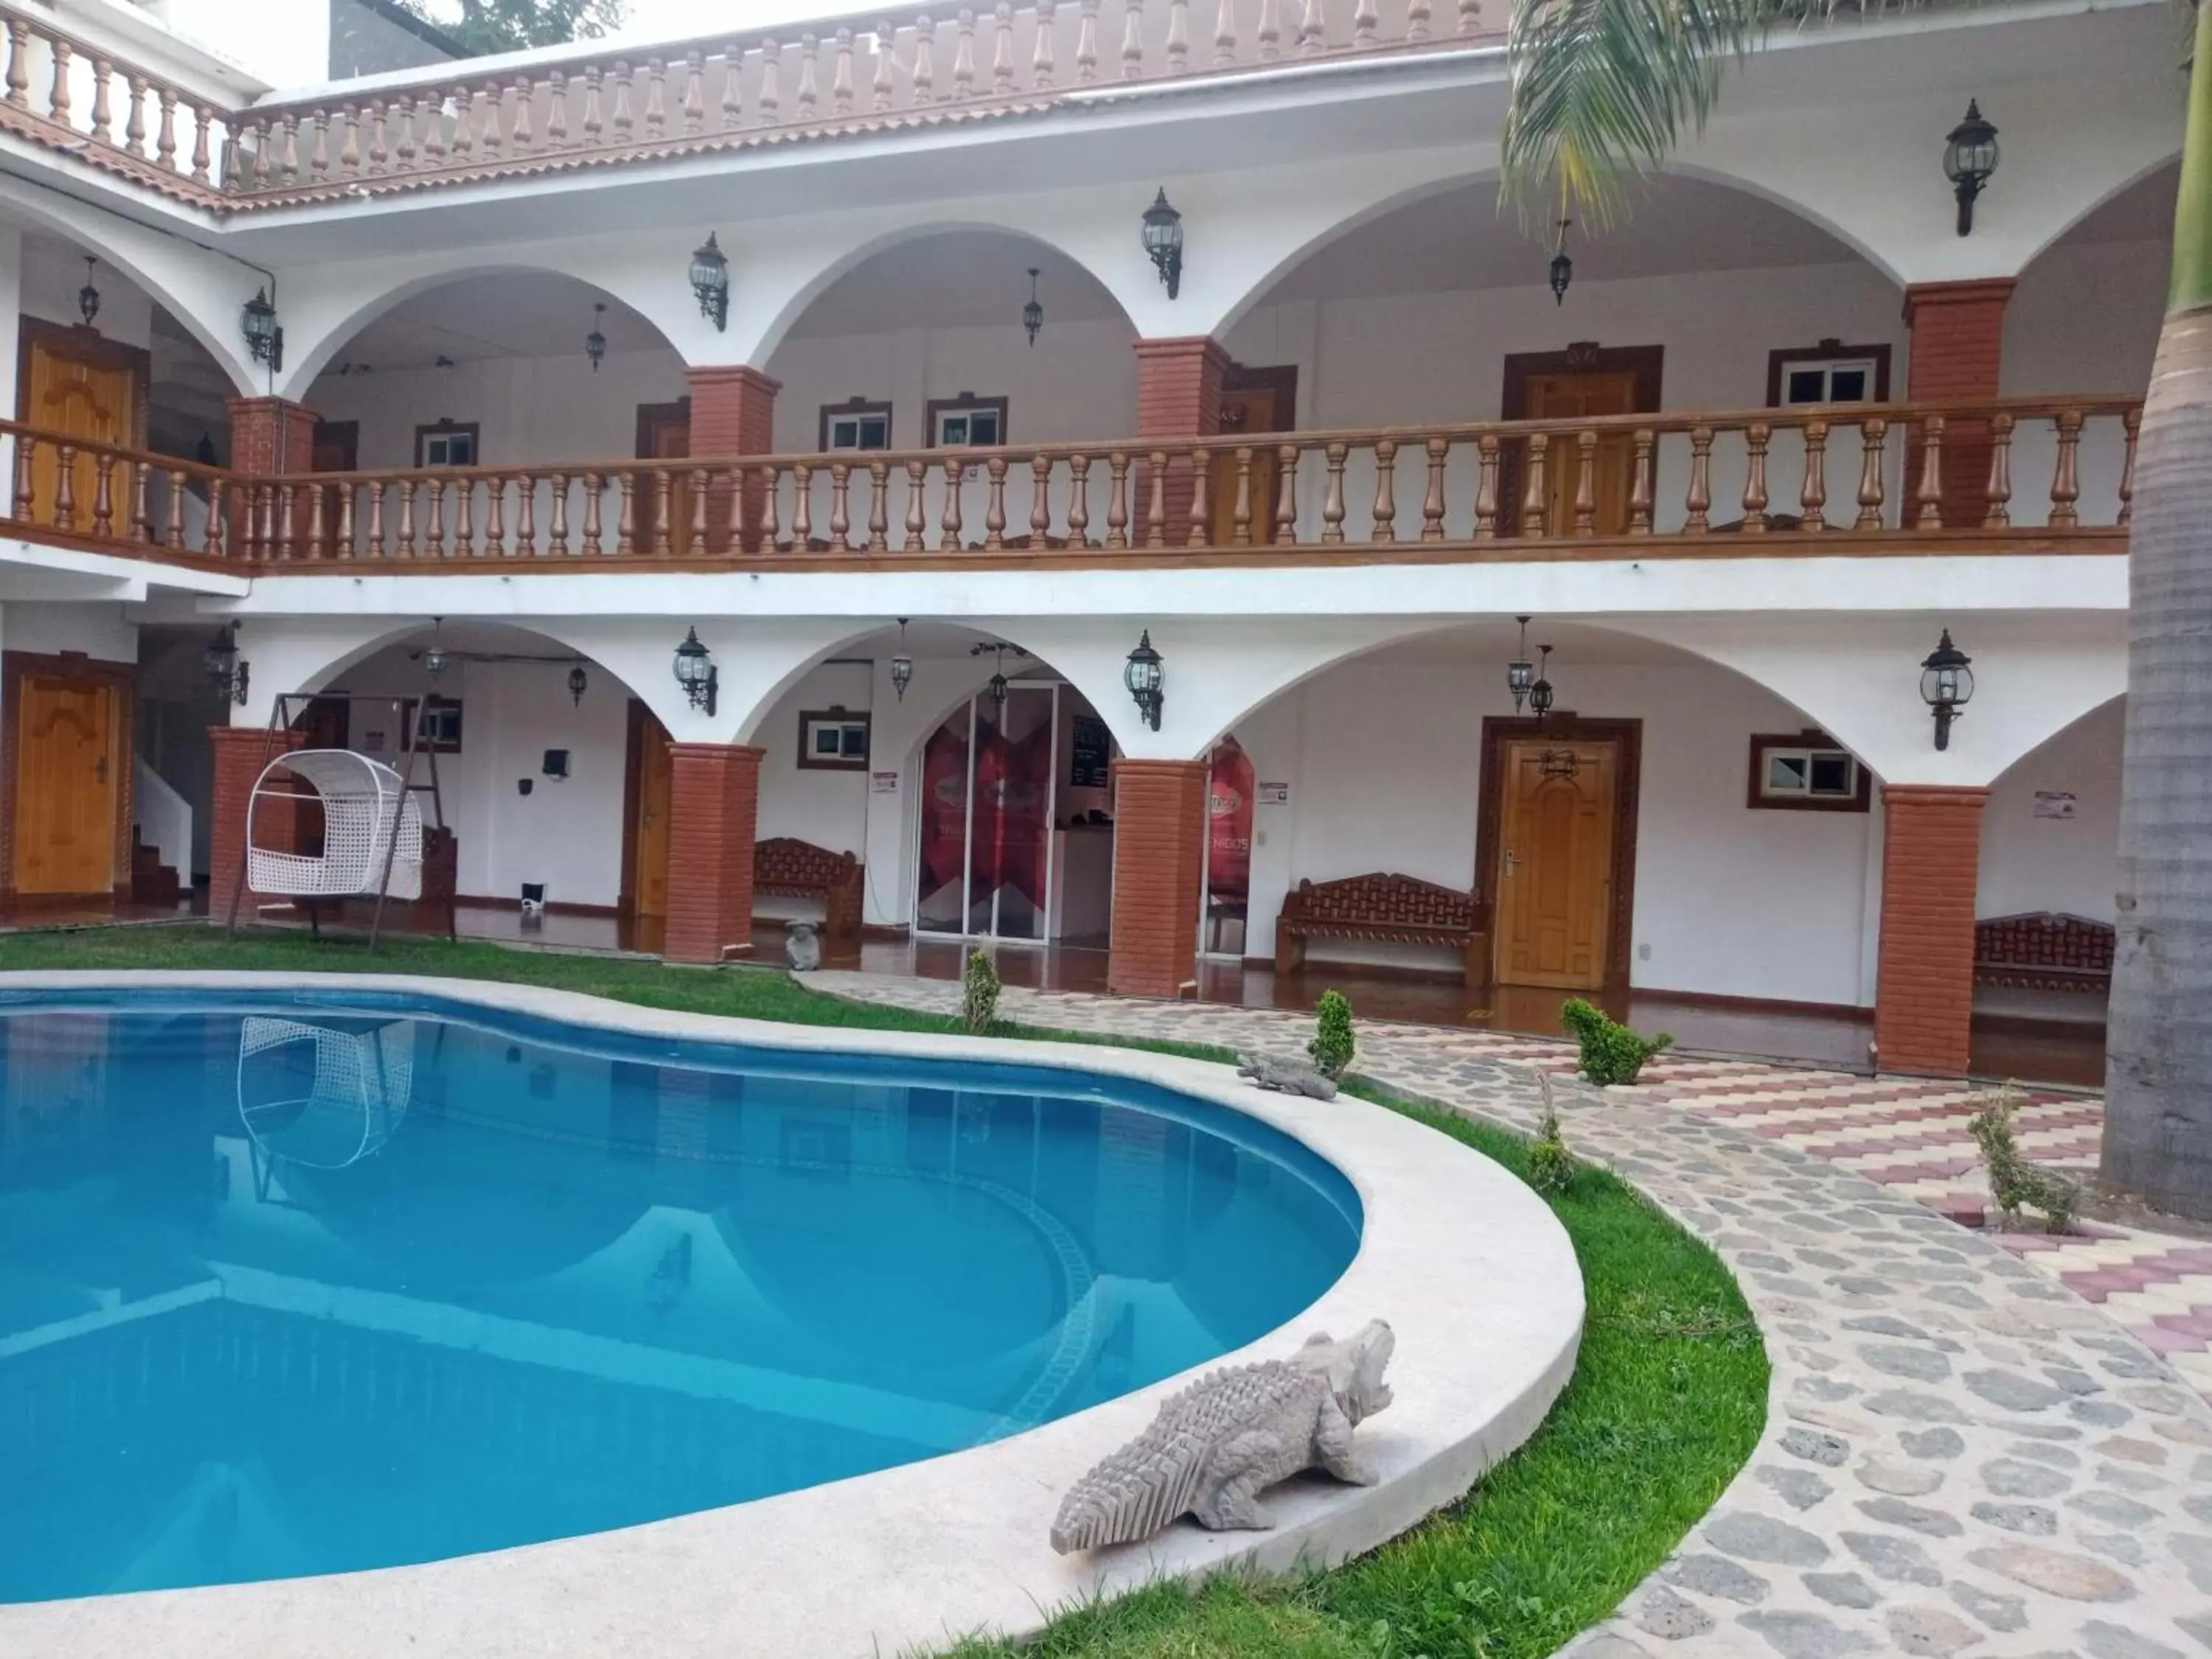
x=1384, y=909
x=786, y=868
x=2043, y=950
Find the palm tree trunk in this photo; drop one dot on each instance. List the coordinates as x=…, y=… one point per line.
x=2158, y=1076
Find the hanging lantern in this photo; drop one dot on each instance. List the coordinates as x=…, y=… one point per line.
x=433, y=655
x=710, y=282
x=696, y=672
x=595, y=342
x=1969, y=156
x=1146, y=676
x=1539, y=694
x=1946, y=683
x=1033, y=312
x=224, y=671
x=1563, y=268
x=577, y=682
x=1163, y=241
x=264, y=340
x=1520, y=673
x=87, y=297
x=902, y=665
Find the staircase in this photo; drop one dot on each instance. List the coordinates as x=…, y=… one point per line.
x=152, y=882
x=160, y=838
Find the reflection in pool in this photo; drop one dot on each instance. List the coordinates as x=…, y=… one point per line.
x=292, y=1286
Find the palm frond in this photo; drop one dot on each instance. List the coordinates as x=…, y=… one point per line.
x=1603, y=90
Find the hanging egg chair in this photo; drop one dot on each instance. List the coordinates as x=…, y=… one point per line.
x=361, y=800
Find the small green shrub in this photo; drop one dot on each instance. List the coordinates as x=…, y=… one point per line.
x=2015, y=1183
x=1332, y=1043
x=979, y=996
x=1611, y=1052
x=1551, y=1165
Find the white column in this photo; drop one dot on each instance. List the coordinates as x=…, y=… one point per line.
x=11, y=311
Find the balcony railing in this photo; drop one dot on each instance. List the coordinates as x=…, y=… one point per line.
x=1844, y=481
x=865, y=72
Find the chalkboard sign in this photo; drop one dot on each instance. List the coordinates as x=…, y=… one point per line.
x=1089, y=754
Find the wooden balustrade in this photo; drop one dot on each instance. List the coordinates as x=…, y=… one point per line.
x=77, y=492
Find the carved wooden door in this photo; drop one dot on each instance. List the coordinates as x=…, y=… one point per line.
x=74, y=397
x=66, y=762
x=1256, y=412
x=649, y=880
x=1569, y=396
x=666, y=437
x=1554, y=877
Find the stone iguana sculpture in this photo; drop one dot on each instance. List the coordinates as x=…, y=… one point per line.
x=1284, y=1077
x=1218, y=1443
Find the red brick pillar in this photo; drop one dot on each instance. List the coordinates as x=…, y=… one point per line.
x=733, y=413
x=1924, y=999
x=714, y=794
x=241, y=752
x=1178, y=397
x=268, y=436
x=1159, y=854
x=1957, y=352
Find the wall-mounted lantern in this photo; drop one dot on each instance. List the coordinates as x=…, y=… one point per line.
x=1563, y=268
x=710, y=282
x=902, y=665
x=1520, y=673
x=1163, y=241
x=1033, y=312
x=1969, y=156
x=1946, y=684
x=87, y=297
x=595, y=342
x=229, y=675
x=1540, y=694
x=577, y=681
x=696, y=672
x=265, y=340
x=1146, y=677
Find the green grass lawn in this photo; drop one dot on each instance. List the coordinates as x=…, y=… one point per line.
x=1667, y=1400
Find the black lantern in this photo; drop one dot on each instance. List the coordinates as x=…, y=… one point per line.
x=87, y=297
x=264, y=340
x=1033, y=312
x=595, y=342
x=1163, y=241
x=710, y=281
x=228, y=674
x=1520, y=673
x=577, y=681
x=204, y=452
x=1946, y=684
x=1146, y=676
x=1969, y=156
x=434, y=654
x=696, y=673
x=1539, y=694
x=902, y=665
x=1563, y=268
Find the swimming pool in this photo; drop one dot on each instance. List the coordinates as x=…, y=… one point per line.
x=307, y=1283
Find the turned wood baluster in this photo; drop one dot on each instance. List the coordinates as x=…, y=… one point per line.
x=18, y=63
x=203, y=134
x=350, y=149
x=1086, y=43
x=1331, y=500
x=1079, y=500
x=2000, y=485
x=1225, y=33
x=884, y=90
x=434, y=541
x=1640, y=491
x=1416, y=20
x=525, y=516
x=626, y=515
x=465, y=516
x=26, y=447
x=142, y=523
x=593, y=120
x=2131, y=423
x=695, y=91
x=964, y=57
x=65, y=486
x=663, y=496
x=1269, y=33
x=1931, y=516
x=624, y=121
x=317, y=527
x=495, y=536
x=841, y=77
x=1470, y=17
x=432, y=108
x=841, y=511
x=345, y=547
x=1812, y=498
x=1132, y=40
x=956, y=473
x=879, y=504
x=1002, y=49
x=378, y=154
x=1363, y=20
x=58, y=104
x=1042, y=70
x=1117, y=499
x=103, y=494
x=1486, y=488
x=376, y=518
x=917, y=513
x=174, y=534
x=1240, y=506
x=404, y=513
x=2065, y=482
x=556, y=527
x=922, y=84
x=1201, y=509
x=802, y=508
x=1385, y=525
x=464, y=124
x=1178, y=37
x=1873, y=438
x=1534, y=499
x=1699, y=500
x=656, y=99
x=697, y=545
x=495, y=115
x=1040, y=501
x=733, y=95
x=1286, y=533
x=768, y=101
x=1432, y=502
x=164, y=131
x=286, y=508
x=556, y=110
x=134, y=120
x=1155, y=510
x=403, y=134
x=594, y=492
x=211, y=540
x=1755, y=439
x=809, y=56
x=1585, y=482
x=995, y=509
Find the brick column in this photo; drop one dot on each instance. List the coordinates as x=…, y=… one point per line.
x=1957, y=352
x=1924, y=988
x=241, y=752
x=1178, y=397
x=733, y=413
x=714, y=794
x=268, y=436
x=1159, y=866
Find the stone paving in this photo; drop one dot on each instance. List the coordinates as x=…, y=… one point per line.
x=1962, y=1455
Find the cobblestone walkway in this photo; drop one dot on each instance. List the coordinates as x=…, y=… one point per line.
x=1962, y=1456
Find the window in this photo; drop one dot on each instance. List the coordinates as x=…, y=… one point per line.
x=449, y=443
x=832, y=740
x=439, y=726
x=1829, y=372
x=1806, y=772
x=966, y=420
x=856, y=424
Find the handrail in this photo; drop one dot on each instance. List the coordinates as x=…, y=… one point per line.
x=79, y=489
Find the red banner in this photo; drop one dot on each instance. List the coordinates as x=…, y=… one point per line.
x=1229, y=824
x=944, y=806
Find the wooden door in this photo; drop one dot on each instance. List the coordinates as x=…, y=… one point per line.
x=67, y=757
x=664, y=435
x=1554, y=877
x=73, y=396
x=648, y=883
x=1256, y=412
x=1567, y=396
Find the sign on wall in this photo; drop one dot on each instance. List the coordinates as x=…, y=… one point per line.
x=1089, y=754
x=882, y=783
x=1274, y=794
x=2054, y=802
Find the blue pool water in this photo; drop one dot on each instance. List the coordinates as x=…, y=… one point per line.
x=294, y=1285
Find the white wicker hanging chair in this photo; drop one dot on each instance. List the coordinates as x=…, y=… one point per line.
x=330, y=1104
x=357, y=796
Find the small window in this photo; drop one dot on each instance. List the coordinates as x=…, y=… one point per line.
x=1806, y=771
x=856, y=424
x=449, y=443
x=967, y=421
x=438, y=725
x=1829, y=372
x=833, y=740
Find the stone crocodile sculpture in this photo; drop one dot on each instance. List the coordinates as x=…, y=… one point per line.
x=1284, y=1077
x=1228, y=1436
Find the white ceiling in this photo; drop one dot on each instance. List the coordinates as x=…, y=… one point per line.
x=958, y=279
x=2144, y=212
x=530, y=314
